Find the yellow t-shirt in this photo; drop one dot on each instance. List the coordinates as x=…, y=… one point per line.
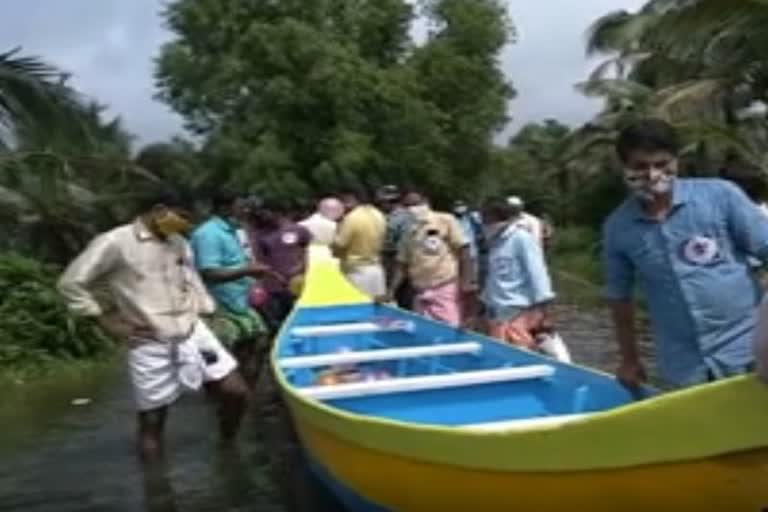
x=431, y=251
x=360, y=237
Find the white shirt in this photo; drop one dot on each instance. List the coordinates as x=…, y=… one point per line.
x=152, y=282
x=532, y=224
x=323, y=229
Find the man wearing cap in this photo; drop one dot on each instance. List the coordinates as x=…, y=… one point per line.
x=525, y=220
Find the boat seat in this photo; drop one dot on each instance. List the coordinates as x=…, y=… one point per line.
x=425, y=383
x=350, y=328
x=368, y=356
x=524, y=423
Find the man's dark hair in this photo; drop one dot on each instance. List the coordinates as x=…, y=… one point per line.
x=165, y=196
x=497, y=209
x=357, y=191
x=279, y=206
x=223, y=200
x=647, y=135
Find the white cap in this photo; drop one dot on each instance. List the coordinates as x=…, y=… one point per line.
x=515, y=201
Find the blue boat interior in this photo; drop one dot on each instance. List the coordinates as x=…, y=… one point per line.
x=569, y=390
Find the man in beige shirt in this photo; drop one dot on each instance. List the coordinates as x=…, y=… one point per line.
x=156, y=301
x=434, y=255
x=359, y=242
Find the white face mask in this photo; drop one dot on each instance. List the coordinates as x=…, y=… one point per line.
x=651, y=175
x=645, y=188
x=420, y=212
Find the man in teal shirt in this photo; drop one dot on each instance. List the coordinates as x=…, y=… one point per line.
x=229, y=275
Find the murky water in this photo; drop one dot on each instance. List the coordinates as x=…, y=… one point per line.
x=55, y=456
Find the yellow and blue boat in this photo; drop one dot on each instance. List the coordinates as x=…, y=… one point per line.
x=437, y=419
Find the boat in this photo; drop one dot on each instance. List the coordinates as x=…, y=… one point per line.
x=399, y=413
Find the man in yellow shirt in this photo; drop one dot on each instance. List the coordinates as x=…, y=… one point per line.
x=434, y=255
x=359, y=243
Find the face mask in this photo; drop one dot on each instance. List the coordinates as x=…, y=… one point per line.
x=420, y=212
x=460, y=210
x=645, y=189
x=170, y=223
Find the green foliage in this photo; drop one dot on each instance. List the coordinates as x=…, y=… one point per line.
x=65, y=172
x=700, y=64
x=574, y=259
x=35, y=100
x=300, y=98
x=35, y=328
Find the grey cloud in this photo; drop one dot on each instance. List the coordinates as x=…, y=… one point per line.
x=108, y=46
x=549, y=58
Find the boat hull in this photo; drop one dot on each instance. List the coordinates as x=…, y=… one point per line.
x=701, y=449
x=370, y=481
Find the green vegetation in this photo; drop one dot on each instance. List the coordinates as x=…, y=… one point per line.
x=298, y=98
x=574, y=258
x=36, y=333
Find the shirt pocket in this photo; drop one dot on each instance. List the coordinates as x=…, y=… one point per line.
x=505, y=267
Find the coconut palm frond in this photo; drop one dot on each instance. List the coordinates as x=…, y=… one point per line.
x=36, y=104
x=692, y=96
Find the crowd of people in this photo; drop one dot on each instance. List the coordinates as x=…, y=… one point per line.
x=196, y=296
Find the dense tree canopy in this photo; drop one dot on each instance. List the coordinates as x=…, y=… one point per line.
x=295, y=98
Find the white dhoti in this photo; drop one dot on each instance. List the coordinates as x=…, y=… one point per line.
x=369, y=279
x=161, y=370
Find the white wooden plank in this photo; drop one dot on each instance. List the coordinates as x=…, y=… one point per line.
x=392, y=354
x=524, y=424
x=350, y=328
x=412, y=384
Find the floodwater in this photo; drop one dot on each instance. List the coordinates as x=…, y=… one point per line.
x=59, y=457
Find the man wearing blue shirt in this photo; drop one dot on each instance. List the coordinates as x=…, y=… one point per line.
x=517, y=292
x=686, y=242
x=228, y=275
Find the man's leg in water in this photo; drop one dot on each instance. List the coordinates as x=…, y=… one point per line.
x=232, y=394
x=151, y=432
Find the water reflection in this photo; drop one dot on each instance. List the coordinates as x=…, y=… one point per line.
x=158, y=491
x=56, y=456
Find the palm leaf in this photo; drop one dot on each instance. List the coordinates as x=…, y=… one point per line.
x=36, y=105
x=688, y=97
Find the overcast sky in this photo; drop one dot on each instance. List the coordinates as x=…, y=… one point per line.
x=108, y=46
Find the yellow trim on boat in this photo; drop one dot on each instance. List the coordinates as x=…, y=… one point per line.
x=733, y=483
x=325, y=285
x=713, y=420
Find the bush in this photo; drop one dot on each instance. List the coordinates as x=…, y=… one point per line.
x=575, y=259
x=35, y=327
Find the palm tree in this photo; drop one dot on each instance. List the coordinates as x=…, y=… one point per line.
x=64, y=172
x=35, y=99
x=698, y=63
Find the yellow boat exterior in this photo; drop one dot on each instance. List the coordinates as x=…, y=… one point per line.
x=701, y=449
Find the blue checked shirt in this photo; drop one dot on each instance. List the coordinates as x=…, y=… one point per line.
x=693, y=269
